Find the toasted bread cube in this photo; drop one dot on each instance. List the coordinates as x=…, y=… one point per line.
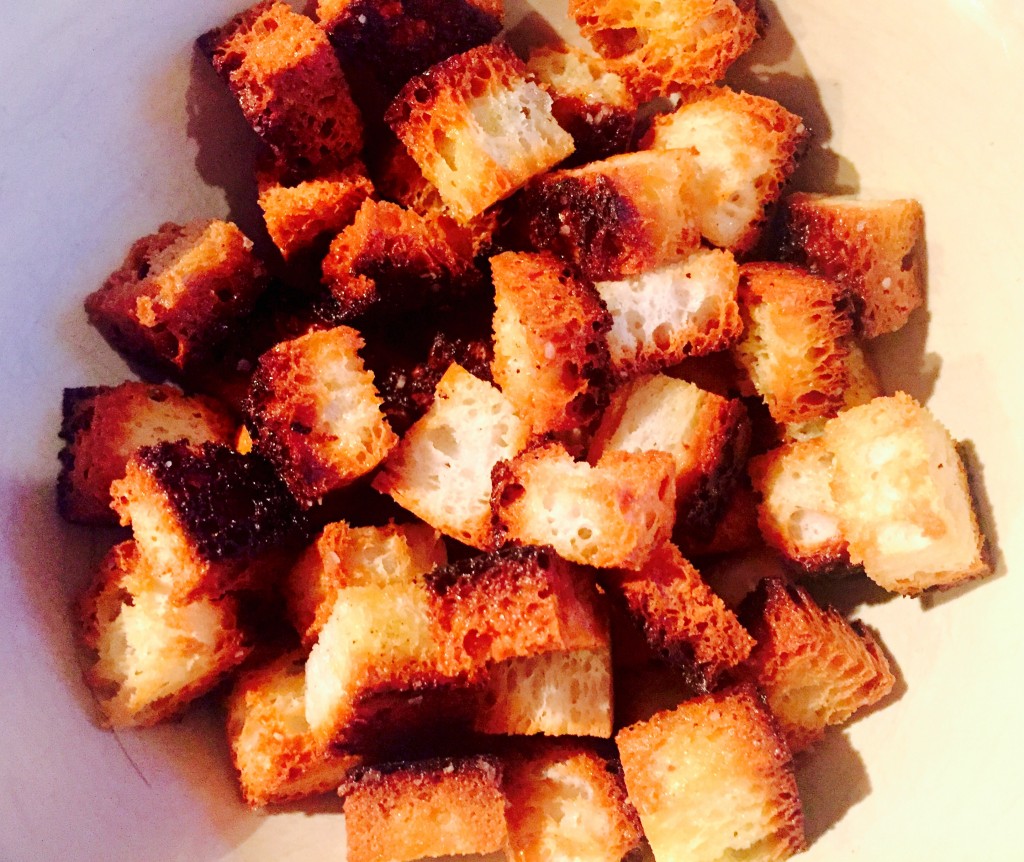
x=283, y=71
x=619, y=217
x=815, y=668
x=478, y=128
x=614, y=513
x=153, y=655
x=441, y=470
x=736, y=529
x=568, y=802
x=712, y=780
x=422, y=810
x=177, y=294
x=795, y=346
x=273, y=750
x=873, y=248
x=206, y=518
x=314, y=412
x=550, y=355
x=902, y=496
x=663, y=48
x=344, y=556
x=102, y=426
x=747, y=148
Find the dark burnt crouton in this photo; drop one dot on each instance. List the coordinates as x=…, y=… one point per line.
x=736, y=529
x=874, y=249
x=662, y=48
x=314, y=412
x=478, y=128
x=795, y=346
x=284, y=73
x=408, y=811
x=550, y=355
x=103, y=426
x=712, y=780
x=623, y=216
x=206, y=518
x=152, y=654
x=273, y=750
x=178, y=294
x=815, y=668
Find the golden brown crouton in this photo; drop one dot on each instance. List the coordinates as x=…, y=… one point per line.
x=314, y=412
x=746, y=147
x=272, y=747
x=550, y=355
x=409, y=811
x=103, y=426
x=796, y=341
x=873, y=248
x=815, y=668
x=441, y=470
x=153, y=655
x=177, y=294
x=622, y=216
x=902, y=496
x=614, y=513
x=712, y=780
x=663, y=48
x=282, y=70
x=478, y=128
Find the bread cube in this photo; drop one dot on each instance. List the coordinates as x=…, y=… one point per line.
x=873, y=248
x=614, y=513
x=902, y=496
x=735, y=530
x=663, y=48
x=746, y=146
x=314, y=412
x=441, y=470
x=478, y=127
x=152, y=654
x=178, y=293
x=409, y=811
x=550, y=355
x=102, y=426
x=283, y=71
x=815, y=668
x=623, y=216
x=712, y=780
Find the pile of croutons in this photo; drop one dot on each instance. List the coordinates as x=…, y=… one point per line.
x=437, y=516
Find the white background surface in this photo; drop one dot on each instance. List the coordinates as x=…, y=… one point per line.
x=109, y=125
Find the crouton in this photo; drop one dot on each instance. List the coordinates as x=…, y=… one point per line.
x=619, y=217
x=272, y=748
x=153, y=655
x=283, y=71
x=815, y=668
x=614, y=513
x=177, y=294
x=408, y=811
x=873, y=248
x=746, y=146
x=441, y=470
x=902, y=496
x=102, y=426
x=568, y=802
x=712, y=780
x=550, y=355
x=661, y=316
x=589, y=100
x=796, y=341
x=314, y=412
x=206, y=519
x=478, y=128
x=736, y=529
x=664, y=48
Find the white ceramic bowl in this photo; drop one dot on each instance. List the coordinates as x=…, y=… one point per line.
x=110, y=124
